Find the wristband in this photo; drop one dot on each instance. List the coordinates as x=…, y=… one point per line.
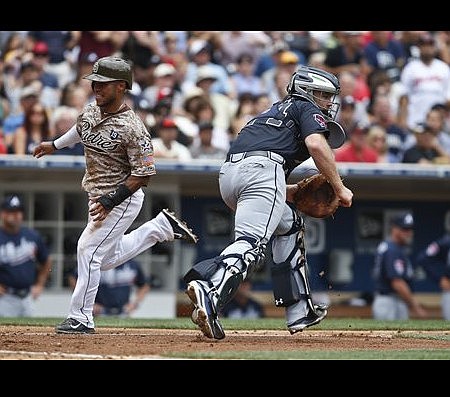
x=54, y=146
x=111, y=199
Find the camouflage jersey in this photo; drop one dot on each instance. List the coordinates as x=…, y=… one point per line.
x=115, y=147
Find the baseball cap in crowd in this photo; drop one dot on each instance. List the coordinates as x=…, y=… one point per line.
x=12, y=203
x=348, y=101
x=168, y=123
x=198, y=46
x=425, y=38
x=206, y=72
x=40, y=48
x=164, y=69
x=405, y=221
x=289, y=57
x=29, y=91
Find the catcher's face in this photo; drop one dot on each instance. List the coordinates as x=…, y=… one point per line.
x=326, y=102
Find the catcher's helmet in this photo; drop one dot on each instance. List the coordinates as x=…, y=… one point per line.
x=111, y=69
x=308, y=79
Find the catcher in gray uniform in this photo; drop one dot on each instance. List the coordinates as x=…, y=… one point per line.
x=119, y=162
x=253, y=183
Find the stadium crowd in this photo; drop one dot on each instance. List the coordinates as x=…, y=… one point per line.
x=195, y=89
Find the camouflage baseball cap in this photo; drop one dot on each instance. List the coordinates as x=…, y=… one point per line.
x=111, y=69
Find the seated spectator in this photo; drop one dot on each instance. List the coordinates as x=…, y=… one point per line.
x=244, y=81
x=166, y=146
x=436, y=122
x=35, y=129
x=28, y=97
x=427, y=149
x=203, y=148
x=243, y=305
x=62, y=119
x=356, y=149
x=376, y=139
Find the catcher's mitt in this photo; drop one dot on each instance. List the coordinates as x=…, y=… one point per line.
x=315, y=197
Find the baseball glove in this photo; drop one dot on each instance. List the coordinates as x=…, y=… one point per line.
x=315, y=197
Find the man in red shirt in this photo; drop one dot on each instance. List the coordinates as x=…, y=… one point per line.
x=356, y=149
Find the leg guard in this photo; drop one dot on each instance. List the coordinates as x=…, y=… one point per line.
x=224, y=276
x=290, y=278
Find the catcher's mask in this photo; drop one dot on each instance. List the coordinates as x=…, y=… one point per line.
x=111, y=69
x=318, y=87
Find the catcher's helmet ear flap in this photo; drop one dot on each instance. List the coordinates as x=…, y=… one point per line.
x=111, y=69
x=307, y=79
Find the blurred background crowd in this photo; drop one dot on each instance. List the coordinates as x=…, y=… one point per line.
x=194, y=90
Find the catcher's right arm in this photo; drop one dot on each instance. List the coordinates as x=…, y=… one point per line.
x=315, y=197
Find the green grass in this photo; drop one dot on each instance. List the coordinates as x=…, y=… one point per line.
x=258, y=324
x=441, y=328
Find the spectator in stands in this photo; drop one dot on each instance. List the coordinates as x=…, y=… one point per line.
x=349, y=89
x=426, y=81
x=393, y=274
x=35, y=128
x=25, y=261
x=202, y=148
x=376, y=139
x=75, y=95
x=244, y=113
x=436, y=123
x=200, y=54
x=356, y=148
x=385, y=52
x=29, y=96
x=165, y=144
x=243, y=80
x=427, y=149
x=398, y=138
x=173, y=51
x=288, y=62
x=243, y=305
x=271, y=56
x=62, y=119
x=235, y=43
x=165, y=85
x=121, y=290
x=346, y=116
x=61, y=56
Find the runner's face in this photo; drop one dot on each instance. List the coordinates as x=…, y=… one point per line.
x=106, y=93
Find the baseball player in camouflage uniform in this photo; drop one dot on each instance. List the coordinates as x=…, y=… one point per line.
x=253, y=183
x=24, y=261
x=119, y=162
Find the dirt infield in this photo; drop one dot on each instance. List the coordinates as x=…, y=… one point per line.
x=42, y=343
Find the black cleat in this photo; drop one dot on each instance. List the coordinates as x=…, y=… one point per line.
x=72, y=326
x=311, y=319
x=180, y=229
x=204, y=314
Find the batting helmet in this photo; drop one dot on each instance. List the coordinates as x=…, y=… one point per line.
x=111, y=69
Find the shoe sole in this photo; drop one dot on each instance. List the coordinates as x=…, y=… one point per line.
x=300, y=328
x=201, y=318
x=190, y=236
x=58, y=331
